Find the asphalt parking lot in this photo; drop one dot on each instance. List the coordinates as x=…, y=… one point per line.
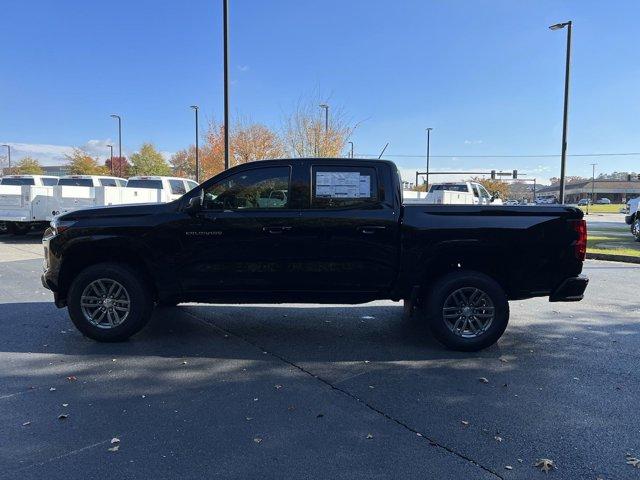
x=313, y=391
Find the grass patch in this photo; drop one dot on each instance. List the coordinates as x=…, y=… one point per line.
x=626, y=246
x=611, y=208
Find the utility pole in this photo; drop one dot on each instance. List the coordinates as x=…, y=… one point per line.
x=195, y=108
x=593, y=180
x=119, y=135
x=565, y=115
x=225, y=15
x=351, y=154
x=428, y=147
x=8, y=156
x=111, y=156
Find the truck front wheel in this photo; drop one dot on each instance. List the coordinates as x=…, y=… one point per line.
x=467, y=311
x=109, y=302
x=635, y=228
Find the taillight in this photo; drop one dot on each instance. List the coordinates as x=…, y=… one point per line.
x=580, y=227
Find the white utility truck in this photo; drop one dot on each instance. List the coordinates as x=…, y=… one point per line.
x=155, y=189
x=74, y=192
x=25, y=201
x=458, y=193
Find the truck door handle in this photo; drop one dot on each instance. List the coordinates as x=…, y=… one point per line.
x=276, y=230
x=371, y=229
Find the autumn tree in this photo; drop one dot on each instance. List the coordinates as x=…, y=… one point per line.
x=149, y=161
x=81, y=163
x=254, y=141
x=568, y=179
x=28, y=166
x=494, y=187
x=306, y=135
x=121, y=166
x=184, y=162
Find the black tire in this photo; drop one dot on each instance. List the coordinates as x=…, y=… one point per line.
x=635, y=228
x=442, y=291
x=137, y=289
x=15, y=228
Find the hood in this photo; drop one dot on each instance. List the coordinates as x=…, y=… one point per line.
x=115, y=211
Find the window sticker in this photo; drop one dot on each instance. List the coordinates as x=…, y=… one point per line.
x=343, y=185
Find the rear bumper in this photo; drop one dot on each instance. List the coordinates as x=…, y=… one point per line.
x=570, y=290
x=628, y=219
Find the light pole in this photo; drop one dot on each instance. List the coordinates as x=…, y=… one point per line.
x=593, y=179
x=225, y=20
x=326, y=117
x=195, y=108
x=428, y=147
x=119, y=134
x=565, y=115
x=111, y=149
x=351, y=154
x=8, y=156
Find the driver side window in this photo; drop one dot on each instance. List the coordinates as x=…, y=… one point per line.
x=260, y=188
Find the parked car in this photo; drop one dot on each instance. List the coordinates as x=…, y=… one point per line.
x=341, y=234
x=25, y=201
x=633, y=217
x=603, y=201
x=583, y=202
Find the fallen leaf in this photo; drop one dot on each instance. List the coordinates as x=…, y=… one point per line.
x=545, y=465
x=369, y=435
x=248, y=419
x=508, y=467
x=464, y=422
x=633, y=461
x=115, y=440
x=418, y=434
x=52, y=389
x=72, y=378
x=115, y=448
x=65, y=405
x=63, y=416
x=257, y=440
x=483, y=380
x=25, y=424
x=498, y=438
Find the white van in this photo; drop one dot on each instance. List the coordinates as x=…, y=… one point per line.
x=25, y=201
x=156, y=189
x=460, y=193
x=74, y=192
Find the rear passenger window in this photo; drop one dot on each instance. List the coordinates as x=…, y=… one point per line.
x=343, y=187
x=177, y=187
x=49, y=182
x=108, y=182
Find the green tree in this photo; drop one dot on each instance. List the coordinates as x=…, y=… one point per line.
x=148, y=161
x=81, y=163
x=28, y=166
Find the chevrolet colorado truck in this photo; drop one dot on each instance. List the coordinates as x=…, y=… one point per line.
x=313, y=230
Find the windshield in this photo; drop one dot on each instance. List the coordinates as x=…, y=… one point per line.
x=75, y=182
x=157, y=184
x=18, y=181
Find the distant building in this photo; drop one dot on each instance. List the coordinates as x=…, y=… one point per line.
x=54, y=170
x=618, y=191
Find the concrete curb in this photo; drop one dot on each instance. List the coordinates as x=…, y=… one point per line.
x=613, y=258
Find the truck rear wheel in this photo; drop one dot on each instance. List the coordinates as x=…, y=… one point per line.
x=109, y=302
x=467, y=311
x=15, y=228
x=635, y=228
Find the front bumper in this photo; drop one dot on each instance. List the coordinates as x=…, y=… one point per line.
x=570, y=290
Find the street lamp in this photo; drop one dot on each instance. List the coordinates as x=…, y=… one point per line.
x=225, y=21
x=428, y=130
x=351, y=143
x=8, y=155
x=326, y=116
x=111, y=149
x=119, y=134
x=563, y=161
x=195, y=108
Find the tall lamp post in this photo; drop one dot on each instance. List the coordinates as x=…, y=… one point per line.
x=428, y=147
x=8, y=156
x=325, y=107
x=111, y=157
x=593, y=185
x=565, y=115
x=195, y=108
x=225, y=20
x=351, y=153
x=119, y=134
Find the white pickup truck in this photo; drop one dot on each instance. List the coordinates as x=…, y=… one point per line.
x=155, y=189
x=81, y=191
x=456, y=193
x=25, y=201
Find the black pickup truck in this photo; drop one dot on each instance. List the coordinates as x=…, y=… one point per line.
x=313, y=230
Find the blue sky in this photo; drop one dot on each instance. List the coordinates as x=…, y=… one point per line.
x=487, y=75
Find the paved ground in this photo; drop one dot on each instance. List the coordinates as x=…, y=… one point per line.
x=318, y=391
x=606, y=221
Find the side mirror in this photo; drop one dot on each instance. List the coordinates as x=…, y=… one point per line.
x=194, y=205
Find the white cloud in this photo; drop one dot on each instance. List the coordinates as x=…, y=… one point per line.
x=472, y=142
